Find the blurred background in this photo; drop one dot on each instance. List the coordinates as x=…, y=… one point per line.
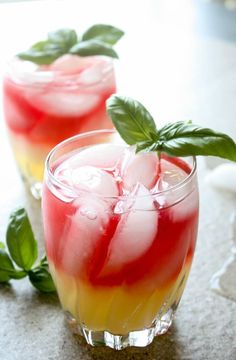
x=177, y=57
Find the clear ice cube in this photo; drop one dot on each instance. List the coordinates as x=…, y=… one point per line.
x=103, y=156
x=82, y=232
x=90, y=179
x=59, y=102
x=71, y=63
x=139, y=168
x=136, y=230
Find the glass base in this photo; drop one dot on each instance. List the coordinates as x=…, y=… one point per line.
x=140, y=338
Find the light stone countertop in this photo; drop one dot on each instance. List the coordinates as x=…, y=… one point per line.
x=32, y=324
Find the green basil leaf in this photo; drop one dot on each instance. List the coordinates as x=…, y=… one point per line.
x=20, y=240
x=41, y=279
x=6, y=266
x=7, y=270
x=131, y=119
x=4, y=276
x=42, y=53
x=106, y=33
x=44, y=260
x=93, y=47
x=97, y=40
x=18, y=274
x=2, y=245
x=45, y=52
x=64, y=38
x=187, y=139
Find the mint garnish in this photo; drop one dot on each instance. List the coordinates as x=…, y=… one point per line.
x=23, y=252
x=183, y=138
x=97, y=40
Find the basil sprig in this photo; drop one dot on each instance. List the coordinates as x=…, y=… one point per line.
x=183, y=138
x=19, y=261
x=97, y=40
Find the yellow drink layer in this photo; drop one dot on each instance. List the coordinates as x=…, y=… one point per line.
x=30, y=158
x=117, y=309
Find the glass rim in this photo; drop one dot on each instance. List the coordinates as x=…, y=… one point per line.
x=54, y=78
x=64, y=186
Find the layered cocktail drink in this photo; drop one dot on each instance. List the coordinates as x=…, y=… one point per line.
x=44, y=104
x=120, y=232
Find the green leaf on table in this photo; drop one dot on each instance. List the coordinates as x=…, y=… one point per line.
x=20, y=240
x=7, y=269
x=41, y=279
x=93, y=47
x=6, y=266
x=183, y=138
x=131, y=119
x=106, y=33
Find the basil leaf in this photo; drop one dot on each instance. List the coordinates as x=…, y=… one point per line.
x=7, y=270
x=5, y=265
x=131, y=119
x=4, y=276
x=136, y=126
x=187, y=139
x=45, y=52
x=64, y=38
x=2, y=245
x=42, y=280
x=93, y=47
x=97, y=40
x=18, y=274
x=106, y=33
x=20, y=240
x=42, y=53
x=44, y=261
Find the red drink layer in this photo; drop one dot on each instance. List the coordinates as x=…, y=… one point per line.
x=120, y=232
x=45, y=105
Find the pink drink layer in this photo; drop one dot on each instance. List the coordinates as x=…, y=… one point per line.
x=45, y=105
x=116, y=238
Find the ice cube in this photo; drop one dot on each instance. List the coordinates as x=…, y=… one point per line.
x=223, y=177
x=59, y=102
x=135, y=232
x=93, y=75
x=94, y=180
x=90, y=179
x=140, y=168
x=102, y=156
x=83, y=231
x=71, y=63
x=171, y=175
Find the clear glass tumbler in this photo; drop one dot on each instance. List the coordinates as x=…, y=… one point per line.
x=46, y=104
x=120, y=232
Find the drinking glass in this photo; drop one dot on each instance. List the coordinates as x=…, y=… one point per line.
x=120, y=235
x=44, y=105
